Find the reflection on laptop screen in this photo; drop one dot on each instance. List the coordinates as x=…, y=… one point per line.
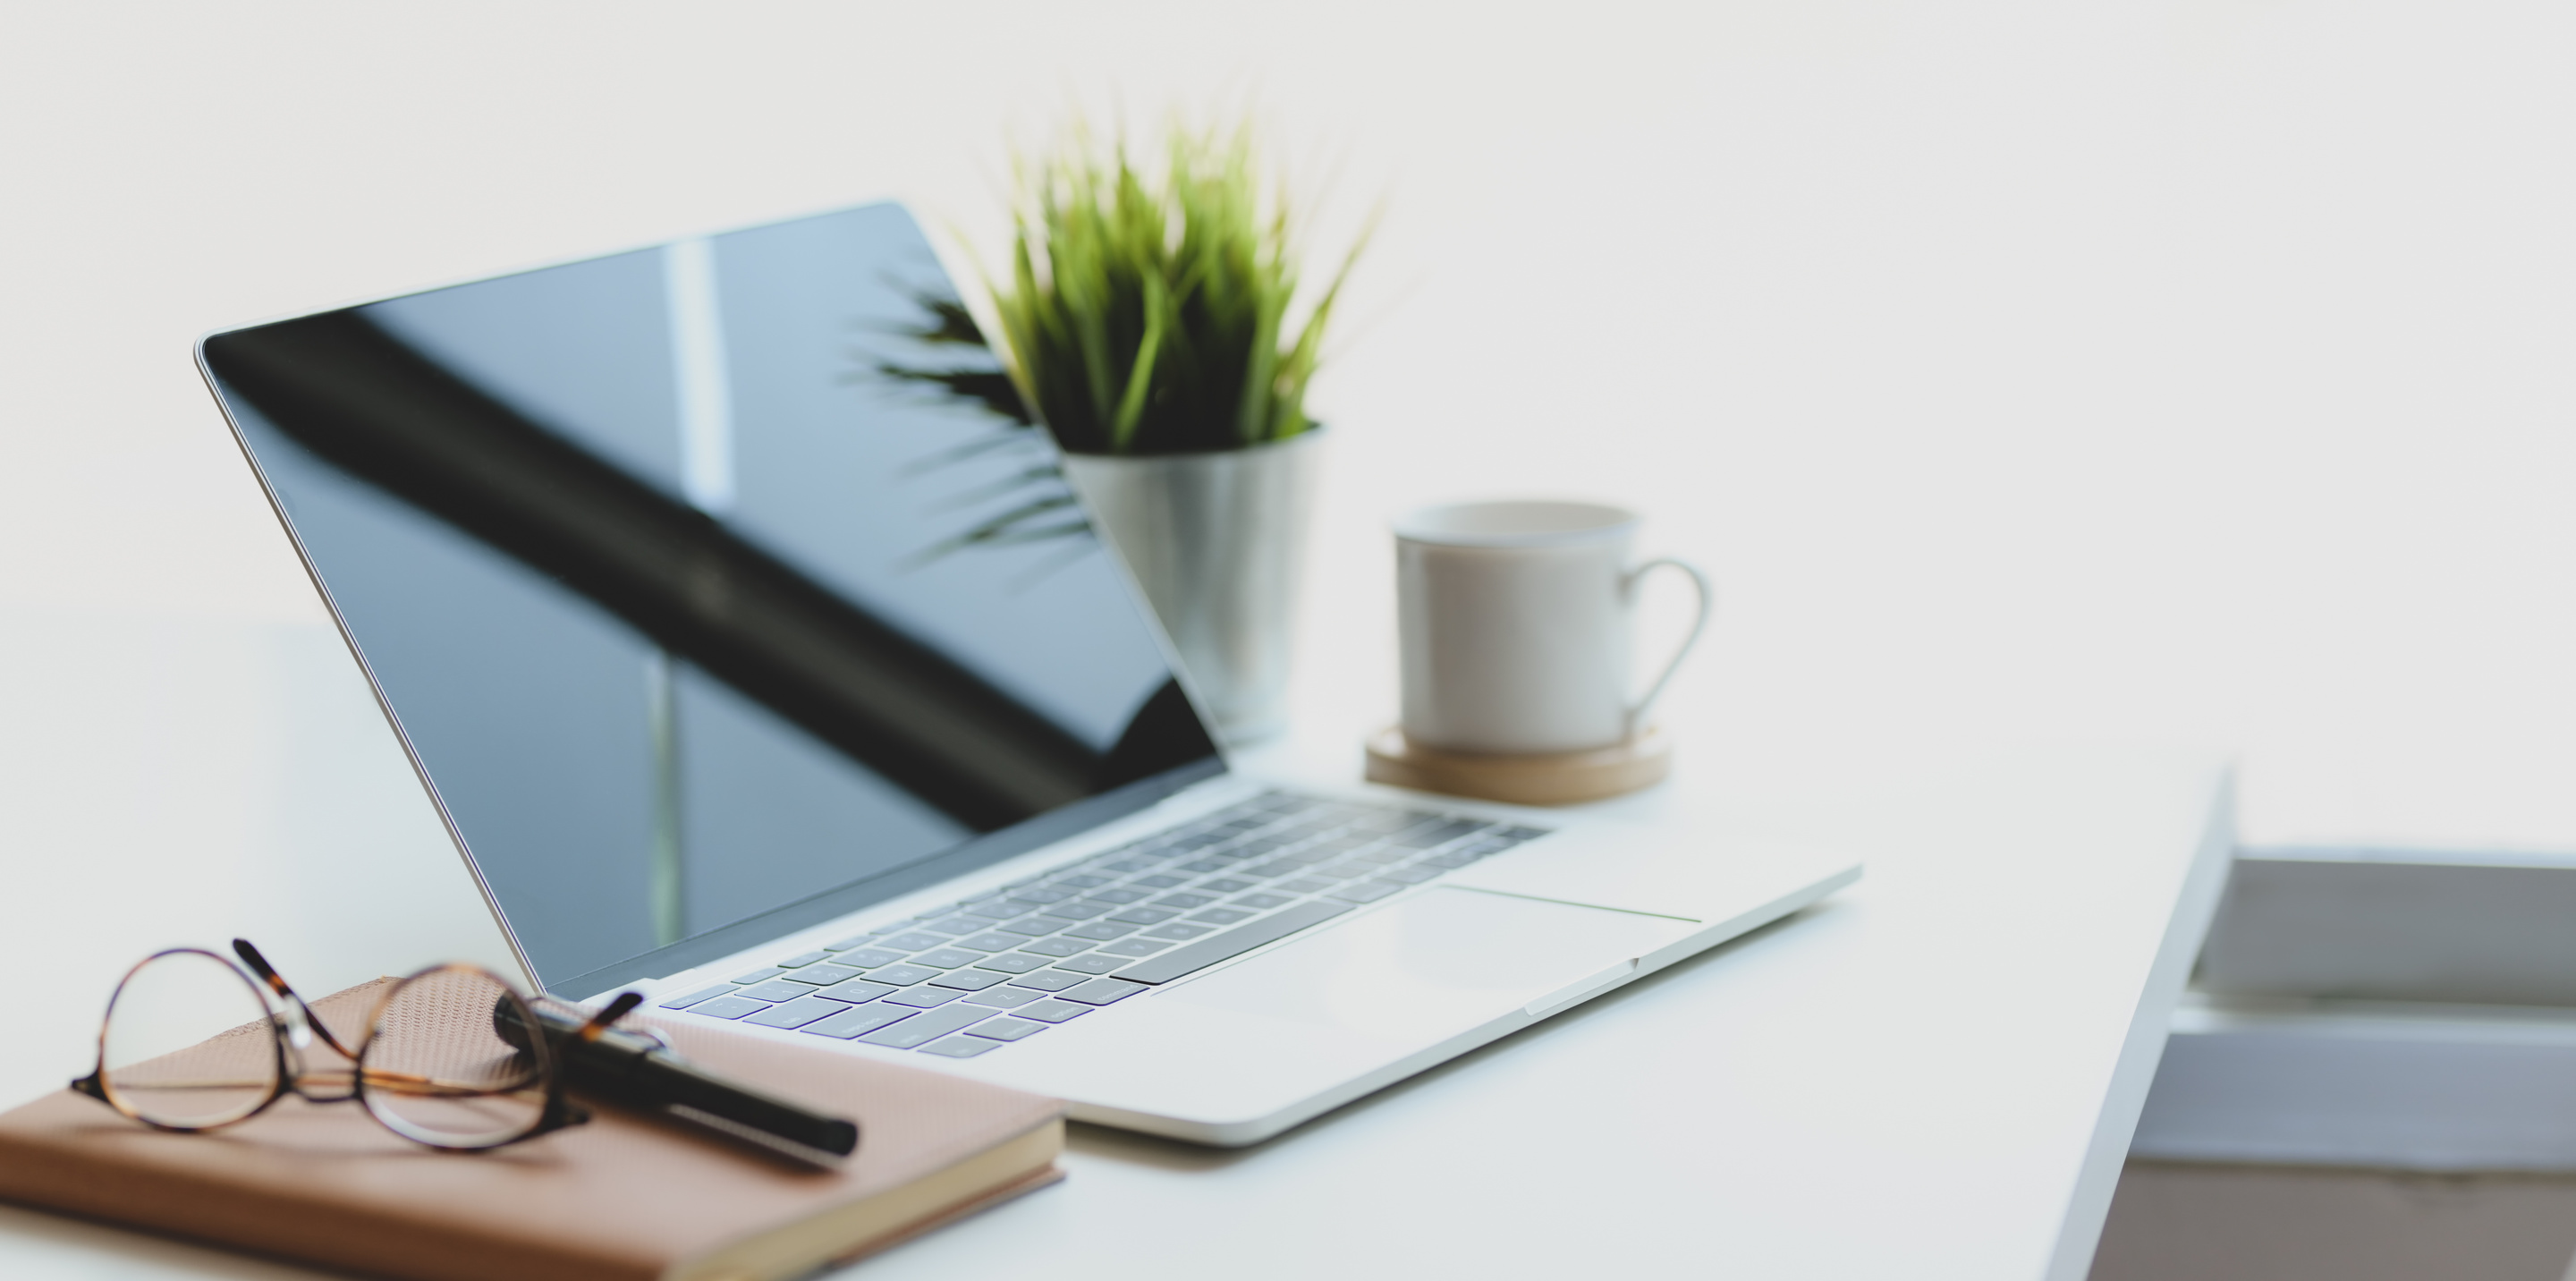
x=700, y=605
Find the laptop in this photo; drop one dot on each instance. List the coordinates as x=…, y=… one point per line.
x=758, y=658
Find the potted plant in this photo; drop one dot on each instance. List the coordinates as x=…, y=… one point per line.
x=1146, y=320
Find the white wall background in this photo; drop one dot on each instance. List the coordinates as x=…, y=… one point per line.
x=2185, y=370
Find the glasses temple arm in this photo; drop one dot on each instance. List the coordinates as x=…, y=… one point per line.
x=616, y=1009
x=276, y=983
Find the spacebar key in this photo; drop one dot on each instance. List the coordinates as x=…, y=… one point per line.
x=1234, y=942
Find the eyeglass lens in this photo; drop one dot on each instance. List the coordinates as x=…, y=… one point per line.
x=189, y=1043
x=435, y=1070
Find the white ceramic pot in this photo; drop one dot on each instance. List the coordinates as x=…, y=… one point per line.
x=1218, y=543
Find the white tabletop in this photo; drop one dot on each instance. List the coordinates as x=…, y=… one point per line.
x=1934, y=1075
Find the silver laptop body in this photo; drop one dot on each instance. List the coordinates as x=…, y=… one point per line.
x=758, y=658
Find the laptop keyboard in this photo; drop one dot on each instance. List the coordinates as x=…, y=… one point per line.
x=980, y=974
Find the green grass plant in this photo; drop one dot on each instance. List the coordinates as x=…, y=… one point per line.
x=1147, y=312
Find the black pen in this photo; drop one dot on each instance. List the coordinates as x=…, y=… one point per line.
x=639, y=1071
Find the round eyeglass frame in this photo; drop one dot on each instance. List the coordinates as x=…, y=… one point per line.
x=293, y=1026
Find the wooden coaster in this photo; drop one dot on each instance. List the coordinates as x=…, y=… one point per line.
x=1557, y=778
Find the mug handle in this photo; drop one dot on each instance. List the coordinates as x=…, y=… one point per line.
x=1707, y=599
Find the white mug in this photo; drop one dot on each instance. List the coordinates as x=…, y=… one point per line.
x=1515, y=623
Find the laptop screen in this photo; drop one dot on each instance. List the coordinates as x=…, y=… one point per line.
x=710, y=588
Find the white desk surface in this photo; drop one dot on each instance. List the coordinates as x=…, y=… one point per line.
x=1934, y=1075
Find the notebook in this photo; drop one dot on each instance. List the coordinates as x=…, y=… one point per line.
x=623, y=1198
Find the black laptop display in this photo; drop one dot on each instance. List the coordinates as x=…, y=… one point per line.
x=709, y=610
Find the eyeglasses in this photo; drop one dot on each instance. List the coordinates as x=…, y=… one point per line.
x=192, y=1043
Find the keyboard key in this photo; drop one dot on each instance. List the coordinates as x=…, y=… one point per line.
x=923, y=1028
x=1304, y=885
x=1079, y=882
x=1012, y=963
x=1101, y=992
x=1099, y=931
x=1045, y=980
x=1415, y=874
x=1000, y=909
x=1052, y=1011
x=957, y=925
x=1096, y=963
x=920, y=998
x=1264, y=902
x=916, y=942
x=1425, y=838
x=974, y=980
x=1458, y=858
x=1184, y=901
x=948, y=958
x=1119, y=896
x=823, y=975
x=1033, y=926
x=802, y=959
x=1204, y=865
x=1234, y=942
x=796, y=1013
x=994, y=942
x=728, y=1007
x=1004, y=997
x=1160, y=881
x=1128, y=865
x=1367, y=891
x=902, y=975
x=1006, y=1029
x=1346, y=870
x=868, y=959
x=1134, y=947
x=860, y=940
x=1077, y=910
x=1041, y=895
x=1144, y=916
x=1226, y=885
x=960, y=1047
x=1276, y=867
x=1057, y=946
x=855, y=991
x=684, y=1002
x=1524, y=833
x=856, y=1020
x=775, y=990
x=1220, y=916
x=1382, y=857
x=763, y=974
x=1179, y=930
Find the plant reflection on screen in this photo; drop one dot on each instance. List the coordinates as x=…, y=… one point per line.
x=1037, y=504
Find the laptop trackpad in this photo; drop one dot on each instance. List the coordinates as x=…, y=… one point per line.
x=1438, y=963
